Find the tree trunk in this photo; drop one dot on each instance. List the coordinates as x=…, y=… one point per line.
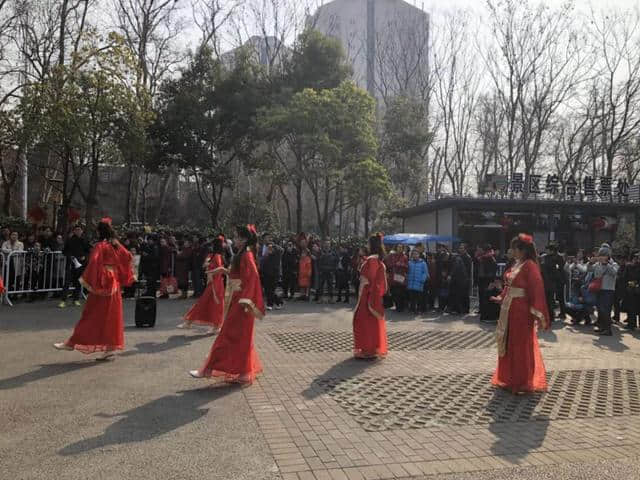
x=288, y=207
x=92, y=198
x=6, y=204
x=340, y=215
x=367, y=213
x=66, y=200
x=163, y=195
x=355, y=220
x=298, y=184
x=127, y=217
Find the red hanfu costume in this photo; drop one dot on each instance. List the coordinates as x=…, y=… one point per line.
x=209, y=309
x=233, y=355
x=101, y=327
x=524, y=307
x=369, y=329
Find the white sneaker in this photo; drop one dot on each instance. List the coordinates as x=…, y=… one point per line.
x=105, y=356
x=195, y=374
x=269, y=308
x=62, y=346
x=184, y=325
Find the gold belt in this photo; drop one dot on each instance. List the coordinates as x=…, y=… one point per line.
x=502, y=329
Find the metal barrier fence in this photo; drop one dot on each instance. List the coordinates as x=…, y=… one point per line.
x=29, y=272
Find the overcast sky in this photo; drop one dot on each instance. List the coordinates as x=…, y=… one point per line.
x=480, y=4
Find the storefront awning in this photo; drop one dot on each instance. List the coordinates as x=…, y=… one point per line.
x=415, y=238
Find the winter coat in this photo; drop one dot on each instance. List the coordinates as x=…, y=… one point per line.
x=418, y=274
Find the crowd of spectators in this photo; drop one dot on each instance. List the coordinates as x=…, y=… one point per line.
x=588, y=287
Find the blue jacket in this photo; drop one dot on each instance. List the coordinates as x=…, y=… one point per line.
x=418, y=274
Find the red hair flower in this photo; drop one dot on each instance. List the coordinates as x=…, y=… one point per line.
x=106, y=220
x=526, y=238
x=252, y=228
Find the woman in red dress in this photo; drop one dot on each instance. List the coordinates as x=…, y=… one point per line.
x=233, y=355
x=101, y=327
x=523, y=309
x=209, y=309
x=369, y=329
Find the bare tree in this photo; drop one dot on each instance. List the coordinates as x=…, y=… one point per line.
x=150, y=29
x=489, y=124
x=616, y=37
x=401, y=60
x=456, y=88
x=211, y=17
x=536, y=62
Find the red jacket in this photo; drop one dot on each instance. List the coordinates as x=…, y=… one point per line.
x=397, y=268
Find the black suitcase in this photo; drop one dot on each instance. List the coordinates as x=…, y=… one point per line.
x=145, y=312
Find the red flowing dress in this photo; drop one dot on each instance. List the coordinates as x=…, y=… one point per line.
x=209, y=309
x=233, y=355
x=524, y=307
x=101, y=327
x=369, y=329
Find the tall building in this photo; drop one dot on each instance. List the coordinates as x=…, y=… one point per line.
x=386, y=41
x=265, y=51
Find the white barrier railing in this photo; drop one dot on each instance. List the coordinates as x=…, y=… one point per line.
x=29, y=272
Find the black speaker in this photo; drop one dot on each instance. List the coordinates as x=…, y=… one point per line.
x=145, y=312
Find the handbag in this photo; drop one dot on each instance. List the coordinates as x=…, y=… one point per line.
x=595, y=285
x=168, y=285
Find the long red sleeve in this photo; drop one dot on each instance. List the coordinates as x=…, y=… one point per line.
x=535, y=293
x=251, y=291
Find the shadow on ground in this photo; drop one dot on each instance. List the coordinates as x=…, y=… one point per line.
x=348, y=368
x=175, y=341
x=158, y=417
x=45, y=371
x=515, y=440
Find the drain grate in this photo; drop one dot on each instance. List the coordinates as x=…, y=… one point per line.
x=390, y=403
x=340, y=341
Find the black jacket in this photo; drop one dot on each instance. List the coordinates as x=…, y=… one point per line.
x=76, y=247
x=290, y=260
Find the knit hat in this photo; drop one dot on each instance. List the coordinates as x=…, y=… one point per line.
x=605, y=250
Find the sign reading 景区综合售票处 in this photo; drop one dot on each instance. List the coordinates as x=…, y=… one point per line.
x=553, y=186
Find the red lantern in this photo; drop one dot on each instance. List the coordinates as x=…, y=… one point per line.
x=37, y=214
x=73, y=215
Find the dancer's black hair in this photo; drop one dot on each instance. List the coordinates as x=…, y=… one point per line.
x=376, y=246
x=251, y=239
x=105, y=231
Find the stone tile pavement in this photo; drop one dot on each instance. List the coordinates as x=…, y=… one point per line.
x=426, y=411
x=591, y=412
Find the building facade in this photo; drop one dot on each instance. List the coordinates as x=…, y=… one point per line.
x=386, y=41
x=571, y=224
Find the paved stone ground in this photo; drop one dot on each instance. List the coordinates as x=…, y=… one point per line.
x=315, y=413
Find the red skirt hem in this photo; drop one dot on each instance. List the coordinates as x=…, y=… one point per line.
x=89, y=349
x=520, y=389
x=362, y=354
x=201, y=322
x=243, y=378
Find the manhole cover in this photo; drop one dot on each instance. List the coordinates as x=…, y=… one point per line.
x=340, y=341
x=389, y=403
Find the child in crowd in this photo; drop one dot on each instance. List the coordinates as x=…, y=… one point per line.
x=418, y=275
x=491, y=310
x=304, y=275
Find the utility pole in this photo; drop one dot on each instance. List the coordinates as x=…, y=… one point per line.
x=24, y=162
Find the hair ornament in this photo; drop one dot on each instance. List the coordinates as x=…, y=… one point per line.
x=252, y=228
x=523, y=237
x=107, y=220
